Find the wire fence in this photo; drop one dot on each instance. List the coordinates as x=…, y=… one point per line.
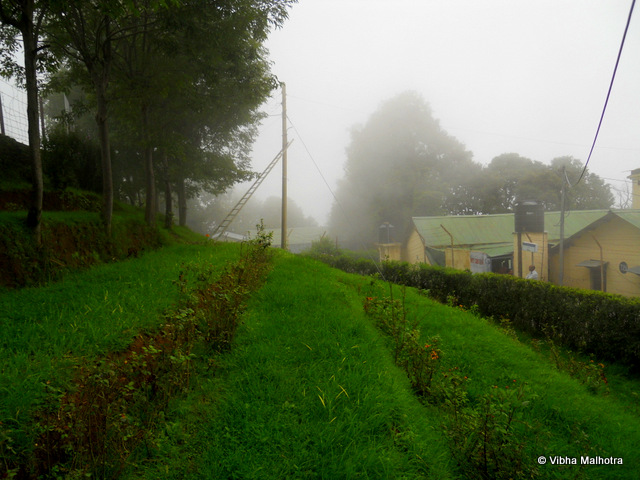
x=14, y=111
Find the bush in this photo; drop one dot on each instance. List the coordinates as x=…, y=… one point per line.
x=15, y=164
x=602, y=324
x=69, y=160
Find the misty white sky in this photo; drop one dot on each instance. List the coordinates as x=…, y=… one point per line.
x=500, y=75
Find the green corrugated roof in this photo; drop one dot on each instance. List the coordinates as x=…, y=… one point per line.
x=631, y=216
x=574, y=221
x=493, y=234
x=465, y=229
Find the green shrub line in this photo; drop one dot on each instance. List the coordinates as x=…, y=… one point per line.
x=605, y=325
x=105, y=417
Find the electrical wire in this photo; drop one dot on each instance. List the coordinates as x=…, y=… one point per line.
x=335, y=198
x=613, y=77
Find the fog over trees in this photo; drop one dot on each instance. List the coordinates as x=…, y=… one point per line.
x=208, y=211
x=401, y=164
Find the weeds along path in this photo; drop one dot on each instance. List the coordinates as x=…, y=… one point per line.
x=309, y=390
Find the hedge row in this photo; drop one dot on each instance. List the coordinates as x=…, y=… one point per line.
x=605, y=325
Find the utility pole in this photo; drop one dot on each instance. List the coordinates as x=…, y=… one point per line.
x=563, y=193
x=283, y=229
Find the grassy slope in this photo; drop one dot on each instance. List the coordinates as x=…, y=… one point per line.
x=43, y=331
x=567, y=419
x=310, y=391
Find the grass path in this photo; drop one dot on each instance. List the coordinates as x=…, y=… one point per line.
x=308, y=391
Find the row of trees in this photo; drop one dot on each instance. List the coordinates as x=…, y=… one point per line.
x=402, y=164
x=177, y=83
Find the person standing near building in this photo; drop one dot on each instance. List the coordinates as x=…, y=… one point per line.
x=532, y=275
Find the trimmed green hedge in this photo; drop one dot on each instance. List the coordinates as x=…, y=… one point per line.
x=602, y=324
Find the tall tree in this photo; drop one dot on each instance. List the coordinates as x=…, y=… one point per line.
x=399, y=164
x=25, y=17
x=510, y=178
x=85, y=32
x=89, y=34
x=192, y=78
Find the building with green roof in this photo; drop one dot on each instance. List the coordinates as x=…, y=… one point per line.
x=593, y=239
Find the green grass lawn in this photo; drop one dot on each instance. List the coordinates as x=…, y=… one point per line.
x=310, y=391
x=309, y=388
x=45, y=331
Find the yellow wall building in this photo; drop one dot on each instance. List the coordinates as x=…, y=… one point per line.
x=453, y=241
x=613, y=242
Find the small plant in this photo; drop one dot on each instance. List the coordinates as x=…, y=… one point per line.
x=590, y=373
x=452, y=301
x=419, y=359
x=487, y=438
x=323, y=246
x=506, y=325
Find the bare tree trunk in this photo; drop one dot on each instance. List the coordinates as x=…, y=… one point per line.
x=99, y=71
x=105, y=152
x=150, y=180
x=182, y=202
x=168, y=200
x=29, y=37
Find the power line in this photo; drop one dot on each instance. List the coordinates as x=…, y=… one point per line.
x=344, y=212
x=613, y=77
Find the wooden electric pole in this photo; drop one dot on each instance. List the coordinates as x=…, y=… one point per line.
x=283, y=229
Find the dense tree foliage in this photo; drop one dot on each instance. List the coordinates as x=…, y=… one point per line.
x=510, y=178
x=184, y=81
x=399, y=164
x=179, y=83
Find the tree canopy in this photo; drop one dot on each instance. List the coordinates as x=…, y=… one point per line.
x=175, y=87
x=401, y=164
x=510, y=178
